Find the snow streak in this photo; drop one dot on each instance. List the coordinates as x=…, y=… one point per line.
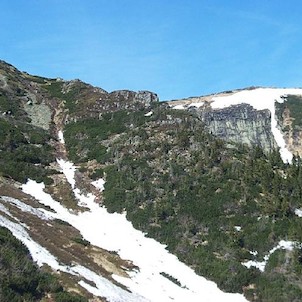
x=61, y=137
x=40, y=213
x=284, y=245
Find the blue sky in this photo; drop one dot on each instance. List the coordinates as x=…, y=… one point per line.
x=175, y=48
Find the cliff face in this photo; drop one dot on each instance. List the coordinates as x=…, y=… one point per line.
x=267, y=117
x=240, y=124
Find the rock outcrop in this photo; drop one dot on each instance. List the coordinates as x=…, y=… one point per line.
x=240, y=124
x=267, y=117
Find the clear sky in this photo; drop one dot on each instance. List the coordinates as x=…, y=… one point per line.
x=176, y=48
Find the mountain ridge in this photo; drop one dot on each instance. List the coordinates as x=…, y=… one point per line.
x=213, y=201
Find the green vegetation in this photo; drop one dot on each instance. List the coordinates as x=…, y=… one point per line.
x=98, y=173
x=185, y=188
x=62, y=222
x=10, y=105
x=81, y=241
x=21, y=279
x=68, y=297
x=37, y=79
x=55, y=88
x=84, y=139
x=24, y=152
x=171, y=278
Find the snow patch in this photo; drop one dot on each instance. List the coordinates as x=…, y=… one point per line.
x=68, y=169
x=116, y=233
x=197, y=105
x=298, y=212
x=37, y=191
x=61, y=137
x=257, y=264
x=178, y=107
x=85, y=200
x=99, y=184
x=284, y=245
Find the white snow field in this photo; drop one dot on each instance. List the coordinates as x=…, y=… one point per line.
x=114, y=232
x=259, y=98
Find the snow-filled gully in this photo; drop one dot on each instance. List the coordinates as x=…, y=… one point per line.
x=113, y=232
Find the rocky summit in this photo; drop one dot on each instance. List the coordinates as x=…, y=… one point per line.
x=117, y=196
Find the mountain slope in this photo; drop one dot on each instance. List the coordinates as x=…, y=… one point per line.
x=228, y=210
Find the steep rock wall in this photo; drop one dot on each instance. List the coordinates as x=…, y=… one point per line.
x=240, y=124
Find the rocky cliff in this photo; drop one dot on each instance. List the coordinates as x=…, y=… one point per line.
x=266, y=117
x=241, y=124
